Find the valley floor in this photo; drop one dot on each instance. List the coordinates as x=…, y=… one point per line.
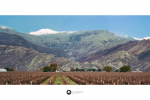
x=74, y=78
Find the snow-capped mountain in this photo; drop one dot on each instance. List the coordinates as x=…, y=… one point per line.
x=4, y=27
x=126, y=36
x=49, y=31
x=146, y=38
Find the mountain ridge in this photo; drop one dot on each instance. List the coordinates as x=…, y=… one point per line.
x=49, y=31
x=133, y=53
x=75, y=45
x=77, y=49
x=25, y=59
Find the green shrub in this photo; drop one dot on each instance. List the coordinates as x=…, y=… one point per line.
x=99, y=70
x=107, y=69
x=47, y=69
x=91, y=70
x=77, y=69
x=125, y=69
x=53, y=67
x=117, y=70
x=11, y=69
x=7, y=69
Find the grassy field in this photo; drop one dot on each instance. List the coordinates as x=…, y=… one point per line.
x=58, y=80
x=71, y=82
x=46, y=81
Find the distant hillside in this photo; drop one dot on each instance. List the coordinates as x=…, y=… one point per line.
x=133, y=53
x=15, y=40
x=75, y=45
x=84, y=49
x=24, y=59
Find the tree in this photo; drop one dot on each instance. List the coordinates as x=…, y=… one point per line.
x=117, y=70
x=53, y=67
x=99, y=70
x=72, y=69
x=107, y=69
x=77, y=69
x=47, y=69
x=82, y=70
x=125, y=69
x=7, y=69
x=93, y=70
x=41, y=69
x=11, y=69
x=58, y=68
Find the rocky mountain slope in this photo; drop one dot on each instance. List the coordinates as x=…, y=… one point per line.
x=24, y=59
x=75, y=45
x=15, y=40
x=20, y=54
x=82, y=49
x=134, y=53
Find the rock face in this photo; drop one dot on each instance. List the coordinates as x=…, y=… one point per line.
x=75, y=45
x=20, y=54
x=15, y=40
x=82, y=49
x=90, y=42
x=134, y=53
x=24, y=59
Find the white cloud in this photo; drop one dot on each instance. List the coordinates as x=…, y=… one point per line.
x=49, y=31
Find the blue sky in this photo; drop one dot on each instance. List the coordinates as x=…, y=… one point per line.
x=134, y=26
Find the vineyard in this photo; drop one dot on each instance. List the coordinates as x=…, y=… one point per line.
x=74, y=78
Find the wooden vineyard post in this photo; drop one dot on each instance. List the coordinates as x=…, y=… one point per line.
x=50, y=82
x=117, y=82
x=122, y=81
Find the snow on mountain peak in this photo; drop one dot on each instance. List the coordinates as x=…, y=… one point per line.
x=146, y=38
x=43, y=31
x=4, y=27
x=126, y=36
x=48, y=31
x=71, y=31
x=137, y=38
